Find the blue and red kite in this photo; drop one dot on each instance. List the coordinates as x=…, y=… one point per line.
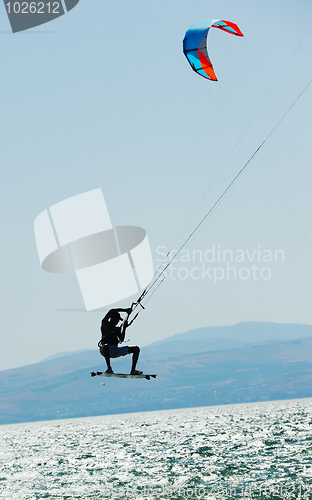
x=195, y=45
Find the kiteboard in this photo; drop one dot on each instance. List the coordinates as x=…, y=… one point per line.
x=123, y=375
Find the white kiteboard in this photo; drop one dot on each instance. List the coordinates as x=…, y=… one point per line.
x=123, y=375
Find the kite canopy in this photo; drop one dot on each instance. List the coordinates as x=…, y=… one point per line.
x=195, y=45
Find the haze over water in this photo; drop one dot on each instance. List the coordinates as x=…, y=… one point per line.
x=250, y=451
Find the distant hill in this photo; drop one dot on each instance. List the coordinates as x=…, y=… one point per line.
x=229, y=337
x=65, y=353
x=207, y=366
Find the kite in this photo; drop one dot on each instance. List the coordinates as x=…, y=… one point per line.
x=195, y=45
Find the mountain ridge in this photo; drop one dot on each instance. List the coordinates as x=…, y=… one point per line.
x=199, y=373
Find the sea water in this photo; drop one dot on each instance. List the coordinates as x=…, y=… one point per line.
x=250, y=451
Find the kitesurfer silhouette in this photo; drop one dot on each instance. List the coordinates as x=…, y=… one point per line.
x=112, y=335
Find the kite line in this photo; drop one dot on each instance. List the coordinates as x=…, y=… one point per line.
x=161, y=273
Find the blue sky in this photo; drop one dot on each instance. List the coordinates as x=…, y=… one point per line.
x=103, y=97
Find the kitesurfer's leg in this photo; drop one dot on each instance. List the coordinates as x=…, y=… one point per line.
x=135, y=350
x=105, y=353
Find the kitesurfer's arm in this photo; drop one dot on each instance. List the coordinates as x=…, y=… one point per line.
x=123, y=328
x=121, y=335
x=120, y=309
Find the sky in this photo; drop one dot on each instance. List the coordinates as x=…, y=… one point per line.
x=103, y=97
